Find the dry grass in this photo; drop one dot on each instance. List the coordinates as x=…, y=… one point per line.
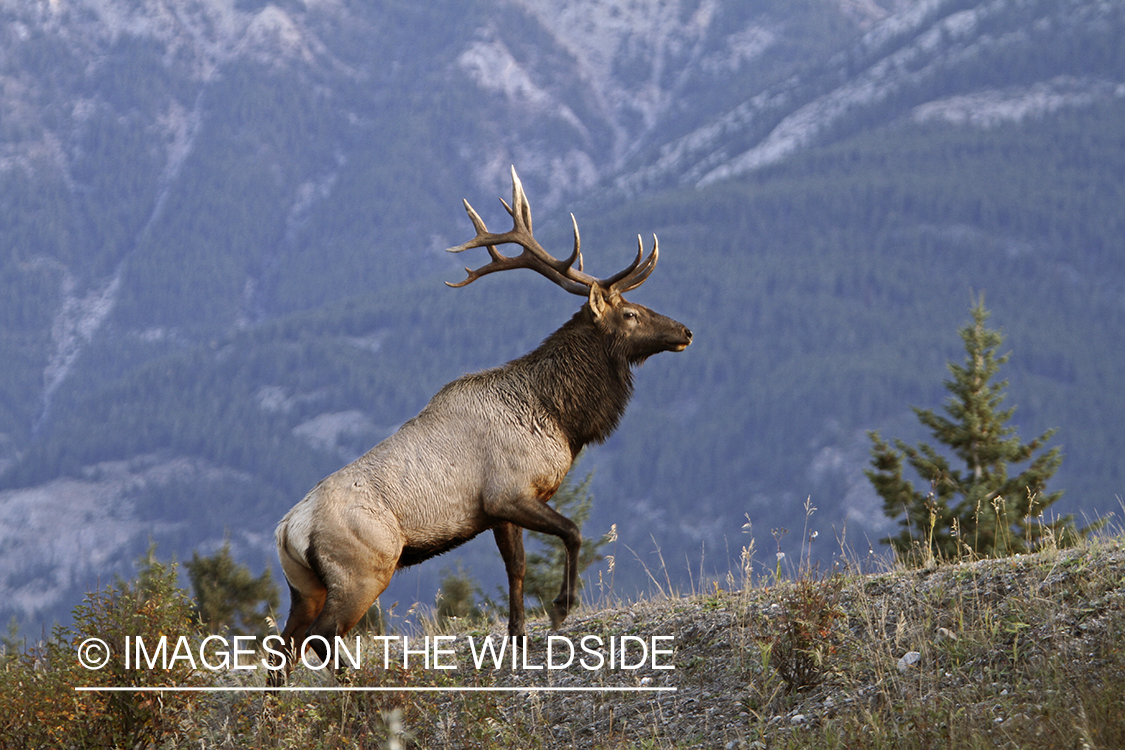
x=1020, y=652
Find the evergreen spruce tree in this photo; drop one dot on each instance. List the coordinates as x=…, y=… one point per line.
x=227, y=595
x=457, y=596
x=11, y=645
x=977, y=504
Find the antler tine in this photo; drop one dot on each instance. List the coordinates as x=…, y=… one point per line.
x=636, y=274
x=608, y=283
x=520, y=211
x=520, y=208
x=482, y=232
x=485, y=239
x=577, y=254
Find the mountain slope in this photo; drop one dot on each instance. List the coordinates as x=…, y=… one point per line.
x=224, y=227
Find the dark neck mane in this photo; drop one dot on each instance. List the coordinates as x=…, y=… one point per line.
x=579, y=380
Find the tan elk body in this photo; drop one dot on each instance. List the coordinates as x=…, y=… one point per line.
x=487, y=452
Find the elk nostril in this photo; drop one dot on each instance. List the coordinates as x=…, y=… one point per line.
x=687, y=332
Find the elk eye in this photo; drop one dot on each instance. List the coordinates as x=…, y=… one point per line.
x=630, y=315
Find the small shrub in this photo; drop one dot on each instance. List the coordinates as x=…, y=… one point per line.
x=37, y=687
x=801, y=631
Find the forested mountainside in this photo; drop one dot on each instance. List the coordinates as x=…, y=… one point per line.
x=222, y=234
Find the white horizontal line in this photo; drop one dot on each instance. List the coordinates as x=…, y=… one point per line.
x=344, y=689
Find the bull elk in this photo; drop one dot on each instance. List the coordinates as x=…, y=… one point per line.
x=487, y=452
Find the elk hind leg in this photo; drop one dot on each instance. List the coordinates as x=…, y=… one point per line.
x=351, y=592
x=306, y=596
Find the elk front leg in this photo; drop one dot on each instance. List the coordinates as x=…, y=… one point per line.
x=535, y=515
x=568, y=596
x=509, y=539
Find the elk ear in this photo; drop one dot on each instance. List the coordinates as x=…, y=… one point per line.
x=598, y=301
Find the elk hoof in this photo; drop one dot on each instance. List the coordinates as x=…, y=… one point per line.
x=558, y=613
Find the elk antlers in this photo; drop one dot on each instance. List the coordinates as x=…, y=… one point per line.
x=562, y=272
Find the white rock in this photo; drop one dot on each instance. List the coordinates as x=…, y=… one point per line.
x=908, y=660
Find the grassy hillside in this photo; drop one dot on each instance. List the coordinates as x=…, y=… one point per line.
x=1021, y=652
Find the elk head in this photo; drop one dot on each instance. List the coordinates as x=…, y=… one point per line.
x=635, y=331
